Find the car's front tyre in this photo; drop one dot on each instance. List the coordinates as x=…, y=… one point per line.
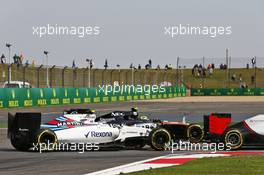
x=234, y=139
x=160, y=139
x=195, y=133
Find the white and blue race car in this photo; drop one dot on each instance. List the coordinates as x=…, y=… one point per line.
x=25, y=131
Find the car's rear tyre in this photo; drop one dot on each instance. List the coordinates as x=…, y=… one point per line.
x=195, y=133
x=46, y=139
x=19, y=143
x=160, y=139
x=234, y=139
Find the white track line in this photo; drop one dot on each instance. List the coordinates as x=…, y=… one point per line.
x=125, y=168
x=143, y=165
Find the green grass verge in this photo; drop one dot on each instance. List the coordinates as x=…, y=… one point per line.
x=3, y=125
x=244, y=164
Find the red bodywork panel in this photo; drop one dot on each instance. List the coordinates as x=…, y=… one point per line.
x=218, y=124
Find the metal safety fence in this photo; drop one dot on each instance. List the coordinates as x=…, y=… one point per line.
x=83, y=77
x=204, y=72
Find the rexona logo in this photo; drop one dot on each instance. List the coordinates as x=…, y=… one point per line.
x=98, y=134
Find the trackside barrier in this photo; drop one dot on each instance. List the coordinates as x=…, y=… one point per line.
x=23, y=97
x=228, y=92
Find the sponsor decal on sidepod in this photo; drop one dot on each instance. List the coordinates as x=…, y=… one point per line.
x=98, y=134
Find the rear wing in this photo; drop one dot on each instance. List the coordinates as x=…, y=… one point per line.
x=27, y=122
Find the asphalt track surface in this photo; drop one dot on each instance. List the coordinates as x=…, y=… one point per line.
x=14, y=162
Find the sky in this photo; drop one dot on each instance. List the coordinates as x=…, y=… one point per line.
x=133, y=31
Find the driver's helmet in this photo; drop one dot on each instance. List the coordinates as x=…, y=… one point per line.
x=92, y=111
x=134, y=111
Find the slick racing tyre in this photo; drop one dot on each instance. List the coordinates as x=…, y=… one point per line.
x=19, y=142
x=160, y=139
x=195, y=133
x=234, y=139
x=46, y=139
